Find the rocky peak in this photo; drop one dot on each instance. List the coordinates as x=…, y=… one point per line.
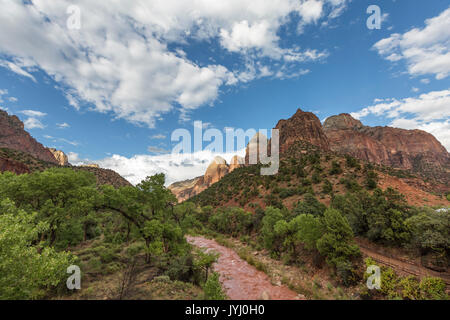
x=236, y=162
x=60, y=156
x=341, y=122
x=13, y=136
x=253, y=146
x=414, y=150
x=216, y=170
x=302, y=126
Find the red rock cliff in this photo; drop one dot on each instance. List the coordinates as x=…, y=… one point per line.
x=13, y=136
x=414, y=150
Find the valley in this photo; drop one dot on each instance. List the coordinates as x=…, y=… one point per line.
x=308, y=232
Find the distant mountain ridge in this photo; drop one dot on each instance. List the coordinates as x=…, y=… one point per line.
x=218, y=168
x=20, y=153
x=413, y=150
x=13, y=136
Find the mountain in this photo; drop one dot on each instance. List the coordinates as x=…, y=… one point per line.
x=414, y=150
x=398, y=154
x=218, y=169
x=60, y=156
x=302, y=126
x=20, y=153
x=13, y=136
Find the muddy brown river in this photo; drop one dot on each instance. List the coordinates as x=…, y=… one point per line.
x=240, y=280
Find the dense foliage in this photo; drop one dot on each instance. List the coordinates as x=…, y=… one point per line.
x=44, y=216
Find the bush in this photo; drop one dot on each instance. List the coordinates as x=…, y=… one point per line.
x=432, y=289
x=327, y=187
x=335, y=168
x=213, y=289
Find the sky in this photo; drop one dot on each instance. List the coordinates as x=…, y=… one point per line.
x=108, y=82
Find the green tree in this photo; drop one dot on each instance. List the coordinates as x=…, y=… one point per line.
x=337, y=245
x=213, y=289
x=270, y=238
x=27, y=271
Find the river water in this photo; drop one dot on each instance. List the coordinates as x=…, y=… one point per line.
x=240, y=280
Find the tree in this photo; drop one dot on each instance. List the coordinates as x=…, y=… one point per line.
x=212, y=288
x=430, y=230
x=337, y=245
x=270, y=237
x=27, y=272
x=308, y=229
x=204, y=261
x=310, y=205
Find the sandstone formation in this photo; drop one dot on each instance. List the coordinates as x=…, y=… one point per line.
x=414, y=150
x=13, y=136
x=302, y=126
x=106, y=176
x=252, y=152
x=216, y=171
x=184, y=190
x=13, y=166
x=60, y=156
x=235, y=163
x=91, y=165
x=218, y=168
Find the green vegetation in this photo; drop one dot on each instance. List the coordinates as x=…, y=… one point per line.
x=213, y=289
x=408, y=288
x=52, y=219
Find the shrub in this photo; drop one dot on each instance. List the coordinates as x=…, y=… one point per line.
x=335, y=168
x=213, y=289
x=432, y=289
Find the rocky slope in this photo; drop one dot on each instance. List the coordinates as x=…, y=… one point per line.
x=218, y=169
x=60, y=156
x=302, y=126
x=13, y=136
x=413, y=150
x=20, y=153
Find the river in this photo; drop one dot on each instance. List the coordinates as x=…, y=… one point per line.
x=240, y=280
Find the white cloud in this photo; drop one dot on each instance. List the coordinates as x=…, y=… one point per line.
x=119, y=61
x=158, y=137
x=33, y=113
x=175, y=167
x=63, y=140
x=73, y=157
x=429, y=112
x=33, y=123
x=426, y=50
x=63, y=125
x=2, y=93
x=311, y=10
x=16, y=69
x=154, y=149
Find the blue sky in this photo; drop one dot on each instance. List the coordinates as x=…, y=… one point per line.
x=113, y=90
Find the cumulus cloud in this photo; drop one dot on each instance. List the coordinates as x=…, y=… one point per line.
x=16, y=69
x=33, y=121
x=176, y=167
x=429, y=112
x=425, y=50
x=33, y=113
x=120, y=61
